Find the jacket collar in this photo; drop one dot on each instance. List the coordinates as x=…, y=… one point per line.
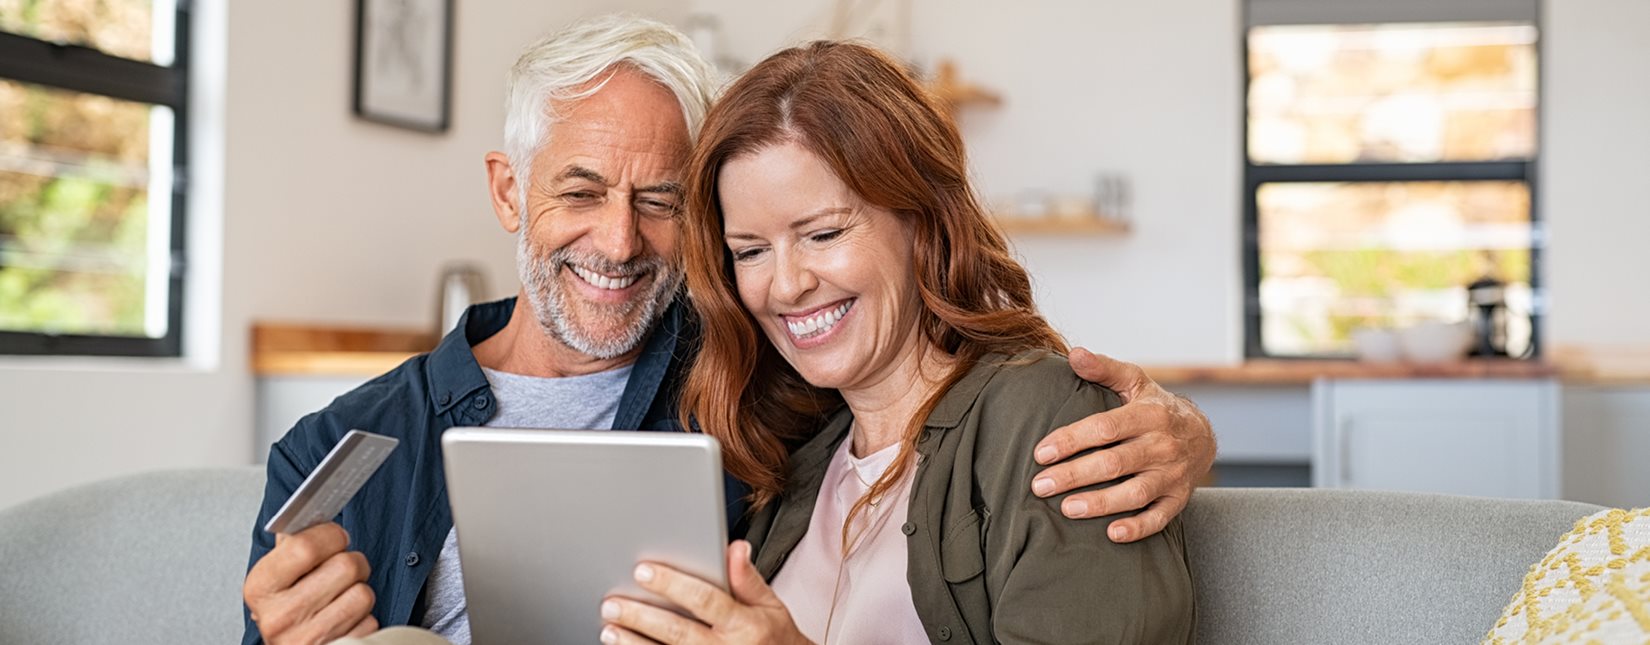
x=453, y=373
x=653, y=367
x=953, y=406
x=957, y=401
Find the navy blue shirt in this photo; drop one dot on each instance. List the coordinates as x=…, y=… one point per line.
x=400, y=517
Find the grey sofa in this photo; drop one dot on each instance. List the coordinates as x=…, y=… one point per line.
x=159, y=558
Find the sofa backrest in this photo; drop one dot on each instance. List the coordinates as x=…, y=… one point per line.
x=1287, y=566
x=159, y=558
x=153, y=558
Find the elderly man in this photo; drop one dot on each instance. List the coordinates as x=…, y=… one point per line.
x=601, y=118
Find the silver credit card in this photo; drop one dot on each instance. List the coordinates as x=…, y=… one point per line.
x=331, y=485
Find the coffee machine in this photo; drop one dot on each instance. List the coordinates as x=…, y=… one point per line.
x=1487, y=298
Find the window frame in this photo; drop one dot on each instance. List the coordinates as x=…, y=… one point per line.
x=87, y=70
x=1256, y=175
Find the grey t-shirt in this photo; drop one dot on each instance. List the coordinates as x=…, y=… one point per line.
x=589, y=401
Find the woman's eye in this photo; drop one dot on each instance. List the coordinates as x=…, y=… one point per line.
x=741, y=255
x=659, y=208
x=826, y=236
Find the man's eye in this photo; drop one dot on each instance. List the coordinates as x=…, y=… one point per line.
x=580, y=196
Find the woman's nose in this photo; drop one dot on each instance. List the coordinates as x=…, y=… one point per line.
x=793, y=278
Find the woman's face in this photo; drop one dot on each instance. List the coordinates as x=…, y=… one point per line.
x=827, y=276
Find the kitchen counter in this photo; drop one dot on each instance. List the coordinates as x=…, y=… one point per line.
x=1571, y=365
x=1301, y=372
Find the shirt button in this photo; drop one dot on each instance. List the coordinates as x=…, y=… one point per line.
x=481, y=402
x=945, y=633
x=412, y=558
x=908, y=528
x=446, y=398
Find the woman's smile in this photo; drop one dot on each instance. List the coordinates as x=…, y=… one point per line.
x=819, y=325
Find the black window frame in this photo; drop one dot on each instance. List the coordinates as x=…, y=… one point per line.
x=87, y=70
x=1257, y=175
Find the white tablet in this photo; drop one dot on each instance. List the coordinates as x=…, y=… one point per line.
x=549, y=522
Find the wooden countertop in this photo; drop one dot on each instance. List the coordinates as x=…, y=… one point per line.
x=1624, y=365
x=296, y=349
x=1300, y=372
x=1604, y=364
x=291, y=349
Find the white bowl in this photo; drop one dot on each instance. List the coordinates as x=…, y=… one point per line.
x=1435, y=342
x=1377, y=344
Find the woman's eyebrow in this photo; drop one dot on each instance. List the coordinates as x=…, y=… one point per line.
x=801, y=223
x=823, y=212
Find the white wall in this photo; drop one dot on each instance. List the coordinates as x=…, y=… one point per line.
x=1595, y=191
x=320, y=217
x=1151, y=90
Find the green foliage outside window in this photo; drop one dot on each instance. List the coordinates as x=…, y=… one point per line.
x=74, y=179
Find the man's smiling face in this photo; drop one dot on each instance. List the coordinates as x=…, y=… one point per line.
x=597, y=254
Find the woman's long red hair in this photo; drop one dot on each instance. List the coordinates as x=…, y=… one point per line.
x=889, y=140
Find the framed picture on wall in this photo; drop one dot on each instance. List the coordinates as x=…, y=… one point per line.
x=404, y=62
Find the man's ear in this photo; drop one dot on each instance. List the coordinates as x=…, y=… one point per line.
x=502, y=188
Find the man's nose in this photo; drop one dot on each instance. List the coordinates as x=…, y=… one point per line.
x=617, y=233
x=793, y=279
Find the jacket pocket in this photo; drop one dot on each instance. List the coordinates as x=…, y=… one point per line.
x=962, y=556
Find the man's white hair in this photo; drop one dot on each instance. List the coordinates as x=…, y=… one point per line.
x=557, y=67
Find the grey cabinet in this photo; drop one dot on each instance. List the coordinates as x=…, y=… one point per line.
x=1493, y=438
x=284, y=399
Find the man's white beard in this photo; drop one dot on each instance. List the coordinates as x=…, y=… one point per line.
x=619, y=328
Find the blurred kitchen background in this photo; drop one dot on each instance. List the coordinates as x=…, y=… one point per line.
x=1384, y=245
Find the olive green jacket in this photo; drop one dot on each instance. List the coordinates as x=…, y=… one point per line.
x=988, y=561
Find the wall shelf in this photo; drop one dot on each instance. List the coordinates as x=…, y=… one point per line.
x=1063, y=225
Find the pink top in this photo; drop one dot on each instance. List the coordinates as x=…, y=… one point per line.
x=872, y=598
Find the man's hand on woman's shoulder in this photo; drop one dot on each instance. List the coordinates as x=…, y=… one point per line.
x=1161, y=439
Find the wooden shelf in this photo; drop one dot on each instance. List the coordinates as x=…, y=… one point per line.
x=1088, y=226
x=330, y=350
x=954, y=93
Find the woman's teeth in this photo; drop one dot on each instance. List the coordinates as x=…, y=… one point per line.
x=818, y=323
x=601, y=281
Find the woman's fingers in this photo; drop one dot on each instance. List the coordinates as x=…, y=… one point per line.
x=643, y=620
x=615, y=635
x=747, y=584
x=704, y=600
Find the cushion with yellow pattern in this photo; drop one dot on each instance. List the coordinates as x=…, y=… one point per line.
x=1594, y=587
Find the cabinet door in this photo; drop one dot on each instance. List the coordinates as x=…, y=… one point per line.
x=1486, y=438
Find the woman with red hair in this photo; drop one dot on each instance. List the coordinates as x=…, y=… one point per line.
x=831, y=237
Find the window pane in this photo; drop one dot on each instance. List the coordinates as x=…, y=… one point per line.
x=1392, y=93
x=85, y=205
x=1336, y=257
x=136, y=29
